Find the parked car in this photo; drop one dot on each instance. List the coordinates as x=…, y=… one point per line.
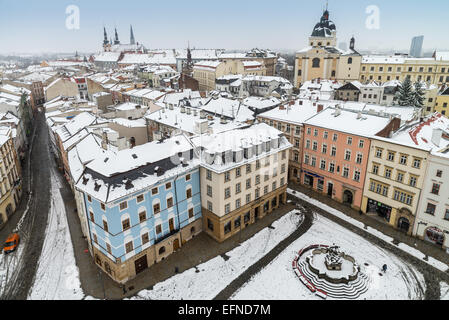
x=11, y=243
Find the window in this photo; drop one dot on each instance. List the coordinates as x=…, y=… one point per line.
x=191, y=213
x=403, y=160
x=108, y=248
x=348, y=155
x=188, y=177
x=325, y=134
x=159, y=229
x=170, y=202
x=257, y=164
x=237, y=222
x=209, y=175
x=265, y=190
x=238, y=188
x=315, y=132
x=210, y=225
x=140, y=198
x=313, y=163
x=315, y=146
x=388, y=173
x=361, y=144
x=309, y=131
x=357, y=175
x=334, y=151
x=209, y=206
x=323, y=165
x=375, y=169
x=123, y=205
x=92, y=216
x=439, y=173
x=129, y=247
x=391, y=156
x=238, y=172
x=435, y=189
x=103, y=207
x=346, y=172
x=189, y=193
x=332, y=167
x=145, y=238
x=257, y=193
x=142, y=216
x=282, y=182
x=446, y=215
x=248, y=168
x=349, y=141
x=156, y=208
x=238, y=203
x=403, y=197
x=257, y=179
x=379, y=153
x=324, y=148
x=359, y=158
x=248, y=198
x=105, y=226
x=89, y=198
x=316, y=63
x=283, y=168
x=227, y=193
x=416, y=163
x=413, y=181
x=400, y=177
x=209, y=191
x=227, y=176
x=154, y=191
x=306, y=159
x=125, y=224
x=227, y=208
x=335, y=137
x=431, y=208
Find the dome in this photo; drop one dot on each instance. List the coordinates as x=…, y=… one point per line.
x=325, y=27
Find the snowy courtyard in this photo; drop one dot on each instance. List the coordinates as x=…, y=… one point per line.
x=278, y=281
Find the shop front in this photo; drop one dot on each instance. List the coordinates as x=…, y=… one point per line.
x=381, y=209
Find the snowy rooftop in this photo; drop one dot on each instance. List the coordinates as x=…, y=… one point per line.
x=232, y=109
x=349, y=122
x=383, y=59
x=261, y=103
x=217, y=145
x=295, y=113
x=207, y=65
x=112, y=176
x=187, y=122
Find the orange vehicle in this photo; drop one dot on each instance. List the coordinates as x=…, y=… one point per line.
x=11, y=243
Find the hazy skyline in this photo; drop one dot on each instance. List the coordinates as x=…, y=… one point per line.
x=40, y=26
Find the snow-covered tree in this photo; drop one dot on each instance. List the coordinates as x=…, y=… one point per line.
x=405, y=93
x=418, y=95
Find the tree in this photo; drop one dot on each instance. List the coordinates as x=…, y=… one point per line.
x=418, y=95
x=405, y=93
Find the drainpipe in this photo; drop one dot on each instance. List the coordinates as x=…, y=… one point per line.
x=177, y=210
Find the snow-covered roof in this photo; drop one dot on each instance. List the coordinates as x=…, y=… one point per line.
x=113, y=176
x=383, y=59
x=442, y=55
x=350, y=122
x=107, y=57
x=296, y=113
x=232, y=109
x=261, y=103
x=207, y=65
x=214, y=145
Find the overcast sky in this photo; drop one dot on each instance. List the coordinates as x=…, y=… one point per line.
x=31, y=26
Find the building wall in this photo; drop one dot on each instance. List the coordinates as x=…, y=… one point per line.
x=398, y=209
x=440, y=218
x=340, y=185
x=63, y=87
x=117, y=238
x=214, y=205
x=442, y=105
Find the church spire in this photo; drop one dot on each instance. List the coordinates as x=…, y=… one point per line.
x=105, y=41
x=132, y=39
x=117, y=41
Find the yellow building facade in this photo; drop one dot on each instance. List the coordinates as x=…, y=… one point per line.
x=442, y=102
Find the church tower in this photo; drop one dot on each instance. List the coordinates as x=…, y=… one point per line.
x=106, y=43
x=325, y=33
x=116, y=41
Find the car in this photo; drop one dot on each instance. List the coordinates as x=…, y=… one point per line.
x=11, y=243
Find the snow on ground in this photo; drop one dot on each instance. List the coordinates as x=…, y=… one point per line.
x=57, y=276
x=433, y=262
x=213, y=276
x=8, y=265
x=444, y=291
x=278, y=281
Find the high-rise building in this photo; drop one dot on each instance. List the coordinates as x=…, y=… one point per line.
x=416, y=47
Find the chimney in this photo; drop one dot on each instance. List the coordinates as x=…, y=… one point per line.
x=104, y=141
x=436, y=136
x=319, y=108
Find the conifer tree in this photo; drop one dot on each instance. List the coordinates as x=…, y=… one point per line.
x=405, y=93
x=418, y=95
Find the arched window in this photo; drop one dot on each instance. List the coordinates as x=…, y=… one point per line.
x=162, y=250
x=350, y=61
x=319, y=44
x=333, y=73
x=316, y=63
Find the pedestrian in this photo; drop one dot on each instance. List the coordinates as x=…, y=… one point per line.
x=384, y=268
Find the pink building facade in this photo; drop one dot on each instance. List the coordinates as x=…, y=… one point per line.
x=335, y=164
